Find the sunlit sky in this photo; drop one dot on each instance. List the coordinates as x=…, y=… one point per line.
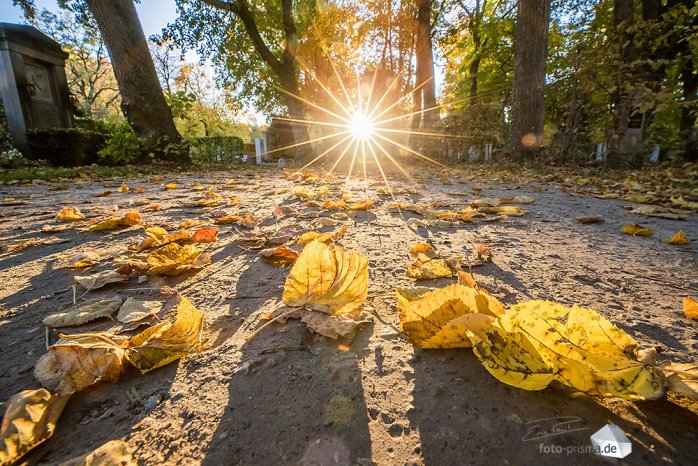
x=155, y=15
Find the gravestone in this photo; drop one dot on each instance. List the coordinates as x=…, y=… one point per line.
x=33, y=84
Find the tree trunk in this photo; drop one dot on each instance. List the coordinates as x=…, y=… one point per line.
x=530, y=57
x=425, y=63
x=142, y=99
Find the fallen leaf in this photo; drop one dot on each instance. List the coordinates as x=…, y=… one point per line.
x=69, y=214
x=31, y=242
x=112, y=453
x=681, y=202
x=123, y=188
x=485, y=202
x=654, y=211
x=174, y=259
x=30, y=418
x=690, y=308
x=205, y=235
x=171, y=186
x=365, y=204
x=76, y=362
x=129, y=219
x=678, y=238
x=170, y=340
x=484, y=253
x=681, y=378
x=581, y=348
x=446, y=317
x=134, y=310
x=339, y=324
x=636, y=230
x=589, y=219
x=325, y=278
x=428, y=265
x=306, y=238
x=84, y=312
x=279, y=256
x=98, y=280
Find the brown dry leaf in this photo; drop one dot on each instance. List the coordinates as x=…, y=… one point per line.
x=174, y=259
x=78, y=361
x=654, y=211
x=447, y=317
x=84, y=312
x=589, y=219
x=54, y=228
x=325, y=278
x=678, y=238
x=129, y=219
x=485, y=202
x=339, y=324
x=98, y=280
x=365, y=204
x=168, y=341
x=523, y=200
x=636, y=230
x=279, y=256
x=205, y=235
x=69, y=214
x=283, y=211
x=31, y=242
x=30, y=418
x=134, y=310
x=335, y=204
x=690, y=308
x=112, y=453
x=484, y=253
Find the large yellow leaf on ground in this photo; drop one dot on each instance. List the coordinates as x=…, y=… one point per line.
x=447, y=317
x=585, y=351
x=30, y=418
x=76, y=362
x=170, y=340
x=325, y=278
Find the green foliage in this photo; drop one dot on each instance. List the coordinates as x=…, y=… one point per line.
x=122, y=145
x=217, y=149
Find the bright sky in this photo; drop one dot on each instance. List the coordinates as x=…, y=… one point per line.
x=154, y=14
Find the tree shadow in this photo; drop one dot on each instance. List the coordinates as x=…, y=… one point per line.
x=463, y=414
x=294, y=397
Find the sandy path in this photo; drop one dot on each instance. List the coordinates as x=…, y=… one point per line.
x=289, y=397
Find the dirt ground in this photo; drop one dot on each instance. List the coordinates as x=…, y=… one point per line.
x=290, y=397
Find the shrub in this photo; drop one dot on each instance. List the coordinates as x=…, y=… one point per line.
x=217, y=149
x=122, y=145
x=67, y=147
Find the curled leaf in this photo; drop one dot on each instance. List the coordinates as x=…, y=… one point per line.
x=128, y=219
x=174, y=259
x=81, y=313
x=98, y=280
x=30, y=418
x=70, y=214
x=325, y=278
x=679, y=238
x=112, y=453
x=77, y=361
x=446, y=317
x=280, y=255
x=170, y=340
x=636, y=230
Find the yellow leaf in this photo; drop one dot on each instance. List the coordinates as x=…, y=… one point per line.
x=171, y=186
x=69, y=214
x=422, y=248
x=511, y=210
x=306, y=238
x=446, y=317
x=325, y=278
x=174, y=259
x=168, y=341
x=123, y=188
x=583, y=349
x=681, y=378
x=340, y=324
x=81, y=313
x=428, y=264
x=366, y=204
x=30, y=418
x=681, y=202
x=636, y=230
x=690, y=308
x=78, y=361
x=679, y=238
x=334, y=204
x=129, y=219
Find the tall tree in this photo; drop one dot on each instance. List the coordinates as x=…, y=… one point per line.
x=530, y=55
x=142, y=99
x=285, y=68
x=424, y=67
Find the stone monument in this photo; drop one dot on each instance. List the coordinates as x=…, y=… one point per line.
x=33, y=84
